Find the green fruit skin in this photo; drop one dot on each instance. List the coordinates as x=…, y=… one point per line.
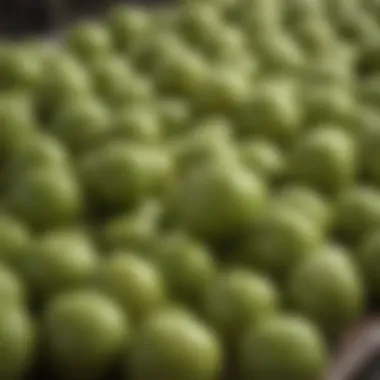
x=187, y=265
x=82, y=126
x=17, y=343
x=85, y=333
x=238, y=299
x=64, y=79
x=18, y=122
x=273, y=111
x=122, y=174
x=59, y=261
x=219, y=199
x=155, y=352
x=39, y=151
x=137, y=123
x=326, y=159
x=283, y=347
x=280, y=241
x=45, y=197
x=89, y=41
x=358, y=212
x=12, y=289
x=134, y=283
x=327, y=288
x=308, y=202
x=367, y=258
x=14, y=238
x=263, y=158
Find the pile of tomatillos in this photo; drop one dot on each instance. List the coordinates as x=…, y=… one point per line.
x=190, y=192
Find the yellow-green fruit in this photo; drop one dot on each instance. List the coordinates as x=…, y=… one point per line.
x=325, y=159
x=327, y=288
x=17, y=343
x=368, y=255
x=283, y=347
x=281, y=240
x=174, y=345
x=220, y=199
x=134, y=283
x=85, y=333
x=238, y=299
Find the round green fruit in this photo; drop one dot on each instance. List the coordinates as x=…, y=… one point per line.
x=58, y=261
x=82, y=125
x=283, y=238
x=45, y=197
x=122, y=173
x=307, y=201
x=236, y=300
x=137, y=123
x=187, y=265
x=358, y=212
x=12, y=290
x=367, y=257
x=134, y=283
x=39, y=151
x=327, y=288
x=85, y=333
x=89, y=41
x=263, y=158
x=174, y=345
x=325, y=159
x=17, y=343
x=219, y=199
x=283, y=347
x=14, y=239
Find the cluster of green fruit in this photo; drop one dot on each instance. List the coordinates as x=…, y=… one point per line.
x=190, y=190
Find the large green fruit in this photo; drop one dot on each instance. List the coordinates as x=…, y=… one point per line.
x=17, y=343
x=326, y=159
x=18, y=121
x=20, y=68
x=45, y=197
x=210, y=140
x=368, y=260
x=358, y=212
x=327, y=288
x=58, y=261
x=12, y=289
x=283, y=238
x=38, y=151
x=14, y=238
x=85, y=333
x=273, y=111
x=129, y=27
x=283, y=347
x=118, y=82
x=238, y=299
x=263, y=158
x=308, y=202
x=132, y=231
x=64, y=79
x=82, y=125
x=89, y=41
x=137, y=122
x=124, y=173
x=218, y=199
x=134, y=283
x=187, y=265
x=173, y=345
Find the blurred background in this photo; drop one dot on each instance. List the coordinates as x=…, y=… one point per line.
x=40, y=17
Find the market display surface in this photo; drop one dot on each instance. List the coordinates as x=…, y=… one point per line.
x=190, y=192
